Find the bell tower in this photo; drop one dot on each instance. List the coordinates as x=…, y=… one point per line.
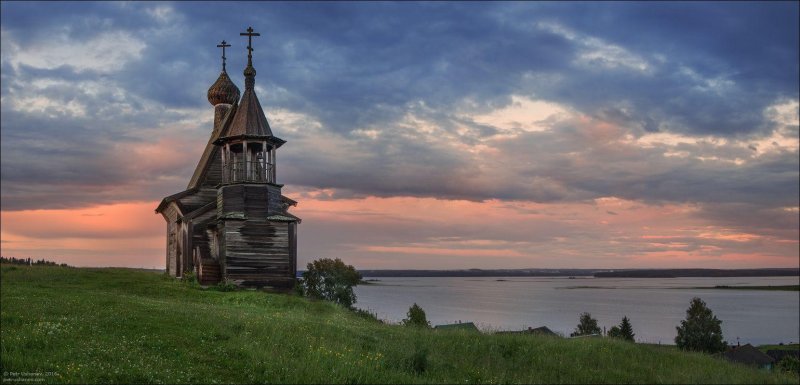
x=232, y=222
x=258, y=238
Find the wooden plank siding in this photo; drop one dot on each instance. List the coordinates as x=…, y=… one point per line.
x=258, y=252
x=171, y=214
x=200, y=198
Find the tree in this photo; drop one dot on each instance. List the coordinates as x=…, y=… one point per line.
x=626, y=329
x=789, y=364
x=701, y=330
x=587, y=326
x=416, y=317
x=332, y=280
x=623, y=331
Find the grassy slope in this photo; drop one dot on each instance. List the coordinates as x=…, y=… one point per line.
x=117, y=325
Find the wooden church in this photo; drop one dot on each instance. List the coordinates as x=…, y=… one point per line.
x=232, y=222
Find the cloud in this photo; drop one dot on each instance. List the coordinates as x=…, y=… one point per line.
x=558, y=104
x=103, y=54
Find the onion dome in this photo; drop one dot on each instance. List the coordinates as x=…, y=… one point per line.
x=223, y=91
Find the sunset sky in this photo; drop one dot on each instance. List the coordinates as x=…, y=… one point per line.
x=419, y=135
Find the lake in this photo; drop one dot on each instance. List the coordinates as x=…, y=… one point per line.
x=655, y=306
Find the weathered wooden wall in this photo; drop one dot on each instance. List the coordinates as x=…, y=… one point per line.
x=258, y=252
x=200, y=241
x=171, y=215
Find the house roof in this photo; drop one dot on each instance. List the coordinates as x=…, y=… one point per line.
x=284, y=217
x=189, y=200
x=202, y=210
x=289, y=201
x=174, y=197
x=778, y=355
x=211, y=151
x=249, y=120
x=543, y=330
x=461, y=325
x=747, y=354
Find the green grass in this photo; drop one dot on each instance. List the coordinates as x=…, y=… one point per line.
x=127, y=326
x=764, y=348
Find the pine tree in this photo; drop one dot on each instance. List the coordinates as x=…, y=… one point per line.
x=416, y=317
x=587, y=326
x=701, y=330
x=626, y=330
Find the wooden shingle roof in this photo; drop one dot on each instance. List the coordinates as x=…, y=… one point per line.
x=211, y=151
x=249, y=120
x=748, y=354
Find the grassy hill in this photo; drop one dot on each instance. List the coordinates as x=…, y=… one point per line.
x=69, y=325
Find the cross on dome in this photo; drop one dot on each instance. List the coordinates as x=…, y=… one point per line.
x=223, y=45
x=249, y=35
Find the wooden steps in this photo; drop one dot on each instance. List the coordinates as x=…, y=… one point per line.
x=209, y=272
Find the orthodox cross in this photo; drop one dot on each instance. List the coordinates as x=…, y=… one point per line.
x=250, y=35
x=223, y=45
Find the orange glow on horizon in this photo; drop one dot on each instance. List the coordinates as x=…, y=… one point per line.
x=375, y=232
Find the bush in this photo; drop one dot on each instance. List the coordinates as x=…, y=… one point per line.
x=190, y=278
x=416, y=317
x=332, y=280
x=790, y=364
x=297, y=287
x=225, y=285
x=586, y=326
x=701, y=330
x=622, y=331
x=418, y=362
x=366, y=314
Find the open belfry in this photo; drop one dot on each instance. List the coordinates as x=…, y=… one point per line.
x=232, y=222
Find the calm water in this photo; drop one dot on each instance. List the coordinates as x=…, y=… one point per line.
x=655, y=306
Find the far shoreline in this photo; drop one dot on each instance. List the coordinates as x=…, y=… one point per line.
x=587, y=273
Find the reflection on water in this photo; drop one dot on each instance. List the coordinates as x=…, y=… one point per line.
x=655, y=306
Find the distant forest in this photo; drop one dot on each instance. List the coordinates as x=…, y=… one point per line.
x=30, y=262
x=673, y=273
x=597, y=273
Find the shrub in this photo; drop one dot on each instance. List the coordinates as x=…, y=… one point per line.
x=332, y=280
x=366, y=314
x=701, y=330
x=416, y=317
x=297, y=287
x=622, y=331
x=225, y=285
x=190, y=278
x=790, y=364
x=418, y=362
x=586, y=326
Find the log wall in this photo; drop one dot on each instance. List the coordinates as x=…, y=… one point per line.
x=257, y=252
x=171, y=215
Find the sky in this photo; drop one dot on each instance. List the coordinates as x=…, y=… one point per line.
x=439, y=135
